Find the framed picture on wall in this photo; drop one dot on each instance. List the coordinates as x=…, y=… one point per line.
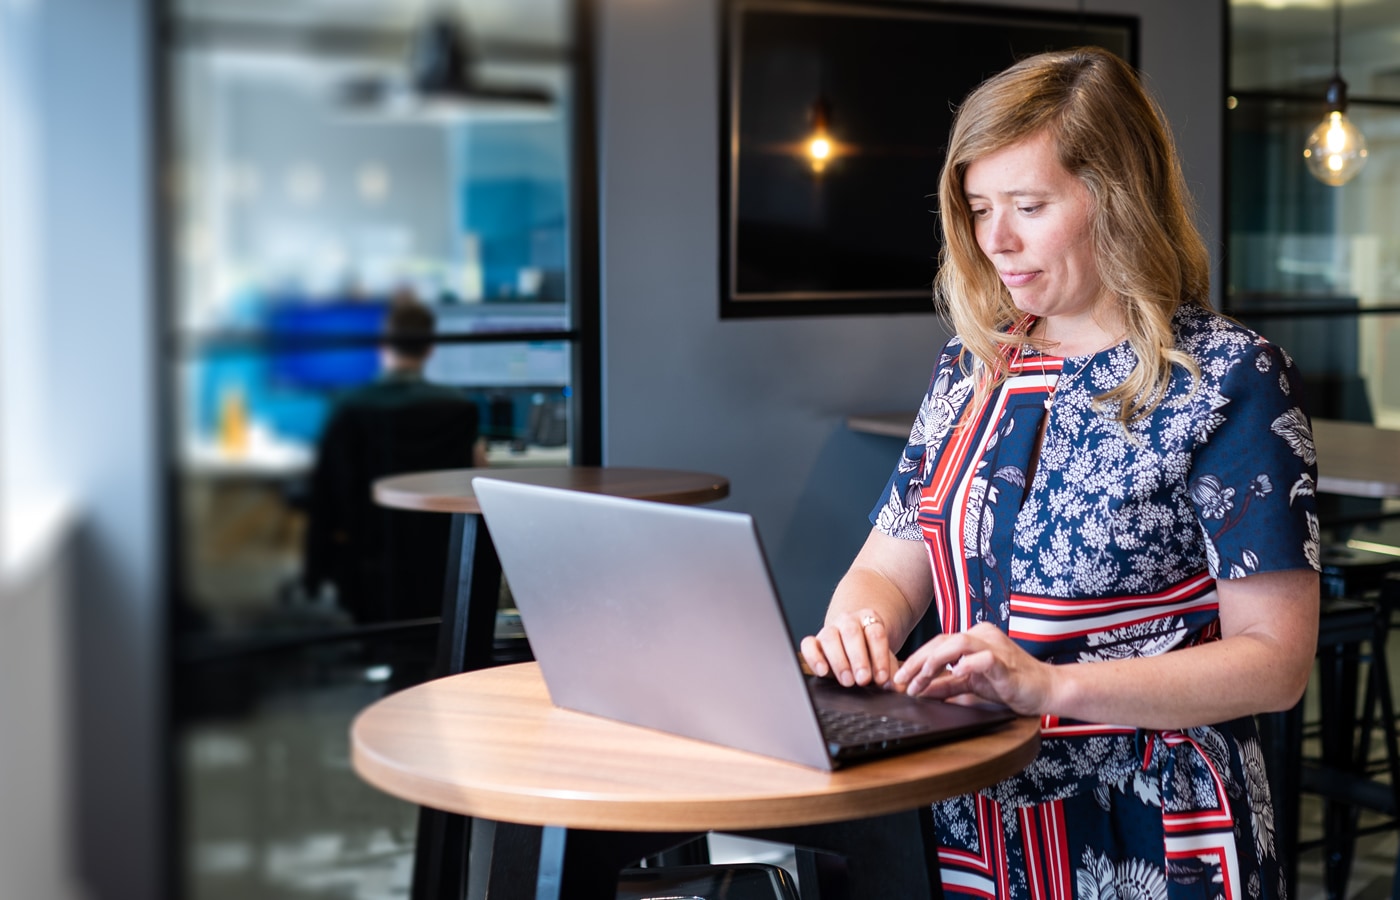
x=834, y=120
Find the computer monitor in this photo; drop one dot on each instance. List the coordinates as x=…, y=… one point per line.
x=306, y=349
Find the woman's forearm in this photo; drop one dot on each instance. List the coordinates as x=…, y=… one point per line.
x=1268, y=624
x=1202, y=685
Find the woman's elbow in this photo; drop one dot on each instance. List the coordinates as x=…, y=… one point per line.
x=1288, y=685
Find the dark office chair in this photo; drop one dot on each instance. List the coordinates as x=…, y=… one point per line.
x=385, y=564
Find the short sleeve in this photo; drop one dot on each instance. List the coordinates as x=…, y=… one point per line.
x=1253, y=475
x=896, y=513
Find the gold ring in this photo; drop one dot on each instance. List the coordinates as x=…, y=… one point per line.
x=867, y=620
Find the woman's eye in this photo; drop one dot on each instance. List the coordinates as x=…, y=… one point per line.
x=1031, y=210
x=980, y=213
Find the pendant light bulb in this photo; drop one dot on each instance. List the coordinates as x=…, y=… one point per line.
x=819, y=145
x=1336, y=149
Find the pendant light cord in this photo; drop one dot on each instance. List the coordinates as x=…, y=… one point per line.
x=1337, y=38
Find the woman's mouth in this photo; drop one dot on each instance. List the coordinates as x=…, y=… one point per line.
x=1017, y=279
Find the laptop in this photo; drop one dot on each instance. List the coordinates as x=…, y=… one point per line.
x=666, y=616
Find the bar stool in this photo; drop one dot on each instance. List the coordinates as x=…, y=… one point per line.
x=1353, y=627
x=1344, y=627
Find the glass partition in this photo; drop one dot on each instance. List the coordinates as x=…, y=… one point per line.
x=324, y=164
x=1314, y=267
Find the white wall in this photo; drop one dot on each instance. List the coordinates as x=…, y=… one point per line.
x=35, y=815
x=99, y=396
x=763, y=401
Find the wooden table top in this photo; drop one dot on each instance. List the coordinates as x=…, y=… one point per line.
x=1353, y=459
x=489, y=743
x=450, y=490
x=1357, y=459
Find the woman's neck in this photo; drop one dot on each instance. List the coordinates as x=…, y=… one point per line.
x=1081, y=336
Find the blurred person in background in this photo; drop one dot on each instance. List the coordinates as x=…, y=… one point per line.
x=387, y=564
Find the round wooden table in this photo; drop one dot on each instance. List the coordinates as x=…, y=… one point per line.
x=450, y=490
x=490, y=744
x=472, y=588
x=473, y=581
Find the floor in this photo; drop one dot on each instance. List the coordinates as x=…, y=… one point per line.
x=1371, y=874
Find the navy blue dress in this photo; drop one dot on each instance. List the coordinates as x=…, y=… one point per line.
x=1111, y=550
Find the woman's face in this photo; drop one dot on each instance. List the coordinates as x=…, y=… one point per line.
x=1032, y=219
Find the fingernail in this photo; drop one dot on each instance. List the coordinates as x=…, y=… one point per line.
x=820, y=669
x=862, y=675
x=846, y=679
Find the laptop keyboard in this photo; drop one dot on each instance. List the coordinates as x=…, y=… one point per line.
x=858, y=729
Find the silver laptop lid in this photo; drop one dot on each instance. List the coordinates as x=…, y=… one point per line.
x=655, y=614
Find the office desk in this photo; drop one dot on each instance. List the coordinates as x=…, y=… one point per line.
x=489, y=744
x=1353, y=459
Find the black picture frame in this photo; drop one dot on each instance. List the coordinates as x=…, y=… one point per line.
x=860, y=236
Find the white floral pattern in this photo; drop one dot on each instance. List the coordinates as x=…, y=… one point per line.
x=1101, y=878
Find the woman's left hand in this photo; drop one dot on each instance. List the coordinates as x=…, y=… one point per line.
x=983, y=662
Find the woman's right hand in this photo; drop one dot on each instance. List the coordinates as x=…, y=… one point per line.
x=853, y=647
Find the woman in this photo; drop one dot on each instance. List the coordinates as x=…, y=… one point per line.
x=1108, y=497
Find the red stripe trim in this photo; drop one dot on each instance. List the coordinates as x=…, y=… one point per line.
x=1085, y=730
x=1035, y=873
x=1059, y=635
x=999, y=850
x=1062, y=606
x=1057, y=849
x=1218, y=851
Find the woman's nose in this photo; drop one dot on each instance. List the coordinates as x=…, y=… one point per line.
x=999, y=234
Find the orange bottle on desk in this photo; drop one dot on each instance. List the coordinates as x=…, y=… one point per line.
x=233, y=422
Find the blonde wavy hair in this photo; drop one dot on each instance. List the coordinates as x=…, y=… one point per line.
x=1110, y=134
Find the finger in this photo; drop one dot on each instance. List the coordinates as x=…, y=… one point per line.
x=929, y=659
x=816, y=660
x=857, y=652
x=932, y=673
x=833, y=648
x=877, y=644
x=978, y=674
x=885, y=674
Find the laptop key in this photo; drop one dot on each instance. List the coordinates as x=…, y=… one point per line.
x=856, y=728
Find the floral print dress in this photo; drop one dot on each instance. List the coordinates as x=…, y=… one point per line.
x=1110, y=550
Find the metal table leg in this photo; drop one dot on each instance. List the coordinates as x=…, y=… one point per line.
x=470, y=594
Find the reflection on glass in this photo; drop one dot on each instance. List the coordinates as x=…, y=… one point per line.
x=297, y=216
x=1316, y=268
x=1306, y=260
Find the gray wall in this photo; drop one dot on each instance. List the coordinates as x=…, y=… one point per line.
x=763, y=402
x=35, y=793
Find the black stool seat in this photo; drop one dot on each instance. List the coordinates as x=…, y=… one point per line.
x=1350, y=572
x=733, y=881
